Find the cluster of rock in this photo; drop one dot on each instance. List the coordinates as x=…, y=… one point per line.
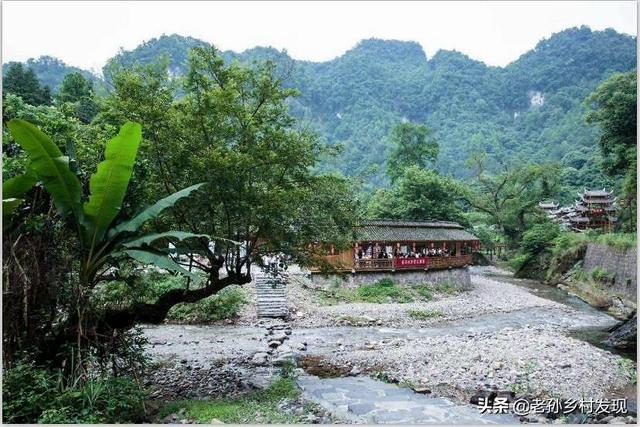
x=306, y=413
x=278, y=353
x=185, y=381
x=542, y=362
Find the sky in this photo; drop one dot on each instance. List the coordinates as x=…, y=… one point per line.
x=86, y=34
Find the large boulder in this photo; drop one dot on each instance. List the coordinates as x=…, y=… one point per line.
x=624, y=335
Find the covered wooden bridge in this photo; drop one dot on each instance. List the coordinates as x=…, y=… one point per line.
x=389, y=245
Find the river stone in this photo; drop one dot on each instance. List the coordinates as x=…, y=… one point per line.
x=284, y=358
x=274, y=343
x=624, y=335
x=259, y=359
x=279, y=336
x=487, y=395
x=284, y=349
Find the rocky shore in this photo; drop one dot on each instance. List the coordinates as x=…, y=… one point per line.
x=498, y=336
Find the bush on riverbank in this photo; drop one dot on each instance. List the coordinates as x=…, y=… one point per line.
x=548, y=254
x=243, y=409
x=36, y=395
x=226, y=304
x=385, y=291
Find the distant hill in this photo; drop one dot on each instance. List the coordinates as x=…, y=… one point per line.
x=529, y=110
x=51, y=71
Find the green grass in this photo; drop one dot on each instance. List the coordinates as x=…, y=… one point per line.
x=385, y=291
x=446, y=288
x=601, y=275
x=336, y=294
x=424, y=314
x=424, y=291
x=627, y=368
x=618, y=240
x=256, y=407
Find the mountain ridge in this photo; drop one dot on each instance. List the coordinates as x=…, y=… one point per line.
x=530, y=109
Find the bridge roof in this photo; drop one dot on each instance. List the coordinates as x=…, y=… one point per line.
x=411, y=231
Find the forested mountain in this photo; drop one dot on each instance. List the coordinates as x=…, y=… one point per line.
x=51, y=71
x=530, y=110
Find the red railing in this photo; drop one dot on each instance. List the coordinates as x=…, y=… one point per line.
x=431, y=263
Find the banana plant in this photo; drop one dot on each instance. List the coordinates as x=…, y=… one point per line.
x=102, y=241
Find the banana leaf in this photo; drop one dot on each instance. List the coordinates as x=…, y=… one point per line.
x=152, y=211
x=158, y=259
x=18, y=185
x=150, y=238
x=50, y=166
x=108, y=185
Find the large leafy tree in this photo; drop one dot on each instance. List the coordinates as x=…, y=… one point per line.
x=412, y=145
x=613, y=106
x=509, y=199
x=77, y=91
x=419, y=194
x=22, y=81
x=230, y=128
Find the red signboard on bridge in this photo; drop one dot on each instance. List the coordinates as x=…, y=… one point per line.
x=410, y=262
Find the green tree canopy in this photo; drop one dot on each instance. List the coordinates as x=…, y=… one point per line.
x=78, y=91
x=510, y=199
x=412, y=145
x=22, y=81
x=613, y=107
x=419, y=194
x=232, y=128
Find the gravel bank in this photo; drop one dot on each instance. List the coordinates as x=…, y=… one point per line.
x=487, y=297
x=496, y=336
x=535, y=361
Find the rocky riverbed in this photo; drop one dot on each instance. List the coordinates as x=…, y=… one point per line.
x=498, y=336
x=488, y=296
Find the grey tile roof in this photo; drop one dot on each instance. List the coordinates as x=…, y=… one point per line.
x=411, y=231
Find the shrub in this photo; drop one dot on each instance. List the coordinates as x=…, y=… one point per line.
x=36, y=395
x=243, y=409
x=518, y=261
x=539, y=238
x=446, y=288
x=226, y=304
x=384, y=290
x=424, y=291
x=618, y=240
x=601, y=275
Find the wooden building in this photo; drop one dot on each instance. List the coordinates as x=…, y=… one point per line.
x=595, y=210
x=388, y=245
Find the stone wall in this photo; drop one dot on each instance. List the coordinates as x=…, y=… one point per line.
x=460, y=278
x=622, y=262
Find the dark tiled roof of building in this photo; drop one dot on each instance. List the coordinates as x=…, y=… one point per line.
x=411, y=231
x=550, y=205
x=597, y=193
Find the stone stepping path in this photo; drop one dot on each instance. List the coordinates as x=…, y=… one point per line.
x=365, y=400
x=271, y=296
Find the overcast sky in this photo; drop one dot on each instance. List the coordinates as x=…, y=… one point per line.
x=86, y=34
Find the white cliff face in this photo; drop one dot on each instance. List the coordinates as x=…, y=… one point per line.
x=536, y=99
